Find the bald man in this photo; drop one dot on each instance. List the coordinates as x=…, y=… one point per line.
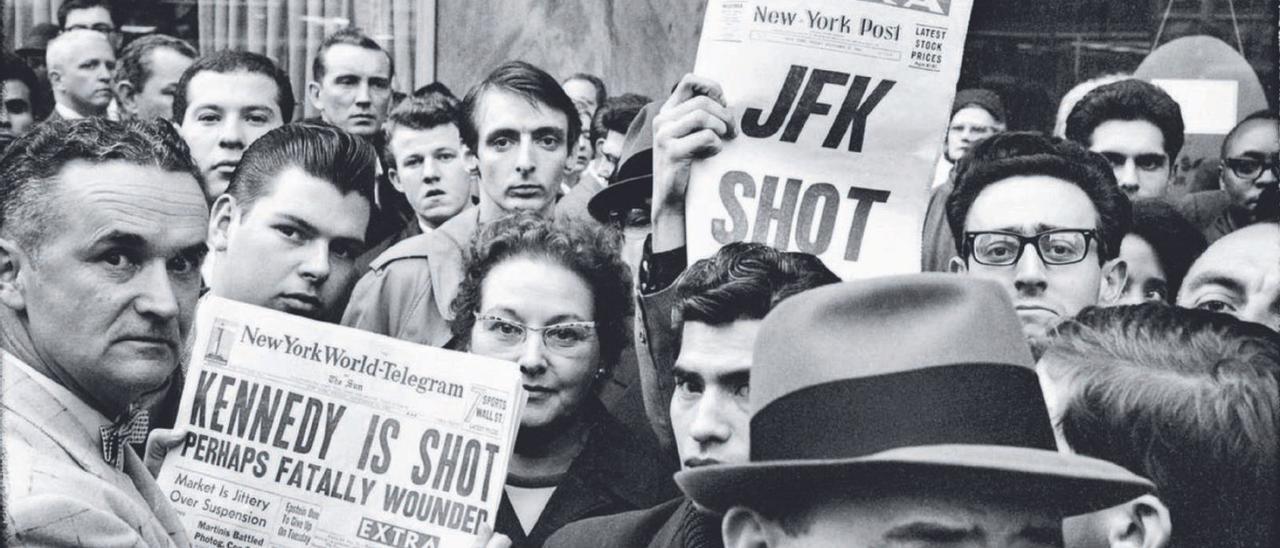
x=1238, y=275
x=81, y=63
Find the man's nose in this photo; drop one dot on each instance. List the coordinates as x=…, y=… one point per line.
x=363, y=95
x=231, y=133
x=314, y=265
x=708, y=420
x=156, y=297
x=1127, y=176
x=524, y=158
x=1029, y=273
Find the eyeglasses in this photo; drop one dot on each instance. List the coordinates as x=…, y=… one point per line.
x=563, y=338
x=1251, y=168
x=17, y=106
x=1055, y=247
x=99, y=27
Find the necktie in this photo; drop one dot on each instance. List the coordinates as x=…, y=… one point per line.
x=131, y=428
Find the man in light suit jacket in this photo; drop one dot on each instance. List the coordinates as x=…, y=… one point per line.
x=102, y=231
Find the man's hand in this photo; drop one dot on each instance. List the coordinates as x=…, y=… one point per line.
x=692, y=124
x=159, y=442
x=486, y=538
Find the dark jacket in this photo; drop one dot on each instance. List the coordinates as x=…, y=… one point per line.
x=614, y=473
x=676, y=523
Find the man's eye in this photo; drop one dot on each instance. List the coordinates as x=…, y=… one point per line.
x=1216, y=305
x=181, y=265
x=549, y=142
x=1150, y=162
x=742, y=391
x=119, y=260
x=501, y=143
x=208, y=117
x=257, y=118
x=1155, y=295
x=446, y=157
x=688, y=386
x=289, y=232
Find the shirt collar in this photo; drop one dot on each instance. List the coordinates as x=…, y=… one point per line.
x=66, y=112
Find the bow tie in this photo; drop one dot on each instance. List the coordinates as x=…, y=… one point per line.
x=130, y=429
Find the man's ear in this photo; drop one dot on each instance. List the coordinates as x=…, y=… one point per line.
x=956, y=266
x=1114, y=273
x=1144, y=523
x=127, y=96
x=744, y=528
x=313, y=94
x=55, y=78
x=225, y=212
x=13, y=261
x=595, y=150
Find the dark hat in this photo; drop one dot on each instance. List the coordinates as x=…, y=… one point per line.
x=632, y=184
x=38, y=38
x=879, y=382
x=986, y=99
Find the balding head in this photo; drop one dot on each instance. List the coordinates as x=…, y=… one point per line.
x=81, y=63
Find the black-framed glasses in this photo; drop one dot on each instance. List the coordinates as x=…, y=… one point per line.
x=1250, y=169
x=563, y=338
x=1055, y=247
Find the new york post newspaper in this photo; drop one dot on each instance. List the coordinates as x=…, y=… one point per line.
x=842, y=109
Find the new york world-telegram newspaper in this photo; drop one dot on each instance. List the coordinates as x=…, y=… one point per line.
x=303, y=433
x=842, y=109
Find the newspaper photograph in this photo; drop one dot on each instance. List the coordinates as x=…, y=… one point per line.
x=842, y=110
x=303, y=433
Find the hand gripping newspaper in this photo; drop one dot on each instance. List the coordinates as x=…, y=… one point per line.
x=303, y=433
x=842, y=109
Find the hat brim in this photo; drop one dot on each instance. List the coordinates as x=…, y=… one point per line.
x=1067, y=484
x=623, y=195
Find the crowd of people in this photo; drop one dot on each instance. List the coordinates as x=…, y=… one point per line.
x=1087, y=359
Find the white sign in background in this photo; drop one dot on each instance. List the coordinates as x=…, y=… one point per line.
x=842, y=108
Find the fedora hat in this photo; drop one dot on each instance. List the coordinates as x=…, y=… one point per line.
x=881, y=382
x=632, y=184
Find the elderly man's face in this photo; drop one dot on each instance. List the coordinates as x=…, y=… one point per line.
x=1135, y=149
x=85, y=78
x=1238, y=275
x=905, y=521
x=522, y=150
x=356, y=89
x=292, y=250
x=1254, y=141
x=1043, y=294
x=710, y=415
x=227, y=112
x=110, y=294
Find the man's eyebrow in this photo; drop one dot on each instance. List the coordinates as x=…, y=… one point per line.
x=933, y=532
x=304, y=225
x=117, y=237
x=1215, y=278
x=501, y=132
x=549, y=132
x=1043, y=535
